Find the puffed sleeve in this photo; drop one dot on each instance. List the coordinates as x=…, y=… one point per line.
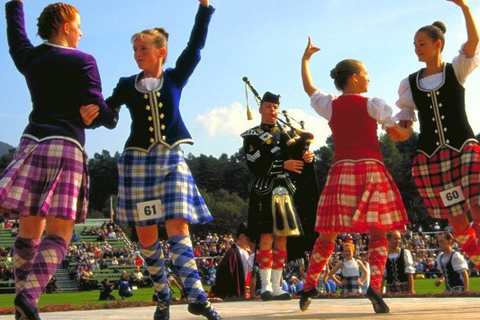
x=458, y=262
x=321, y=102
x=409, y=268
x=405, y=103
x=463, y=66
x=379, y=110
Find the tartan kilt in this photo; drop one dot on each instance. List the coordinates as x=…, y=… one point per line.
x=161, y=174
x=48, y=178
x=444, y=170
x=358, y=196
x=351, y=285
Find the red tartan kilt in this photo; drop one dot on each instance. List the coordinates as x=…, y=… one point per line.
x=444, y=170
x=359, y=196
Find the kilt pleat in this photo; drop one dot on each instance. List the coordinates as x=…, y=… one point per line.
x=162, y=174
x=358, y=196
x=444, y=170
x=45, y=179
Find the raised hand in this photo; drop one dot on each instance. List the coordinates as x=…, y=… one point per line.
x=205, y=3
x=310, y=50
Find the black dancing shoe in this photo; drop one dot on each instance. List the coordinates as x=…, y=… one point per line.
x=163, y=310
x=377, y=301
x=283, y=296
x=306, y=298
x=19, y=316
x=204, y=309
x=267, y=295
x=25, y=309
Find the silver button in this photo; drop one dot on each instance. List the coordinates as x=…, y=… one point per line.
x=431, y=107
x=428, y=95
x=438, y=93
x=443, y=117
x=438, y=143
x=433, y=119
x=445, y=129
x=440, y=105
x=447, y=141
x=436, y=131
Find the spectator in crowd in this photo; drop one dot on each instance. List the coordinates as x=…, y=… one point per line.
x=452, y=264
x=399, y=270
x=75, y=237
x=124, y=290
x=232, y=271
x=106, y=290
x=137, y=278
x=351, y=268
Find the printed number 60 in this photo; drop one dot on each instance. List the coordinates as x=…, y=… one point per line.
x=452, y=195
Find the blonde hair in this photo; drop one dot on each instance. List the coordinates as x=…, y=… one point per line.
x=157, y=36
x=52, y=17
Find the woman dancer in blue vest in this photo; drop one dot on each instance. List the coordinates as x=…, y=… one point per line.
x=446, y=168
x=155, y=183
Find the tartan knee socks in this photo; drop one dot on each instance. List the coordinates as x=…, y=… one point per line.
x=24, y=252
x=184, y=264
x=377, y=258
x=155, y=261
x=322, y=250
x=50, y=254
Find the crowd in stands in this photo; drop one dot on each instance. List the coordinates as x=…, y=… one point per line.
x=85, y=258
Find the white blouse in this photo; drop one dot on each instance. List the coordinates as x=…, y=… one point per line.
x=462, y=66
x=459, y=263
x=377, y=108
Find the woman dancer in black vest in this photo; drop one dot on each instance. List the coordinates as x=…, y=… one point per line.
x=446, y=168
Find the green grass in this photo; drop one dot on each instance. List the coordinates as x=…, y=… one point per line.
x=81, y=298
x=422, y=286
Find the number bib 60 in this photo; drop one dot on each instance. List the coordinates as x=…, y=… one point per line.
x=452, y=196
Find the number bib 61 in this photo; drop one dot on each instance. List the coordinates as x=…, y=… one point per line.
x=452, y=196
x=149, y=210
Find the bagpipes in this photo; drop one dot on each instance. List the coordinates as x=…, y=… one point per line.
x=299, y=140
x=285, y=218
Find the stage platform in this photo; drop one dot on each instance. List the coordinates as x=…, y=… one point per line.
x=400, y=308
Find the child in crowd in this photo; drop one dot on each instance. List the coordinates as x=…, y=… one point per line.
x=452, y=264
x=350, y=267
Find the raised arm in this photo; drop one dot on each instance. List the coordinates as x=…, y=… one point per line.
x=472, y=32
x=308, y=85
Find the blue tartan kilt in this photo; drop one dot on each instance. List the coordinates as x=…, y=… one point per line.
x=161, y=174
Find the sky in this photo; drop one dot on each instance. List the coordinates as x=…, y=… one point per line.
x=261, y=39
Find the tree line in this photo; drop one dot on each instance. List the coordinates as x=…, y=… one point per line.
x=223, y=182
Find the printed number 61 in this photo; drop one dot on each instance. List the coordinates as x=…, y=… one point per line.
x=148, y=210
